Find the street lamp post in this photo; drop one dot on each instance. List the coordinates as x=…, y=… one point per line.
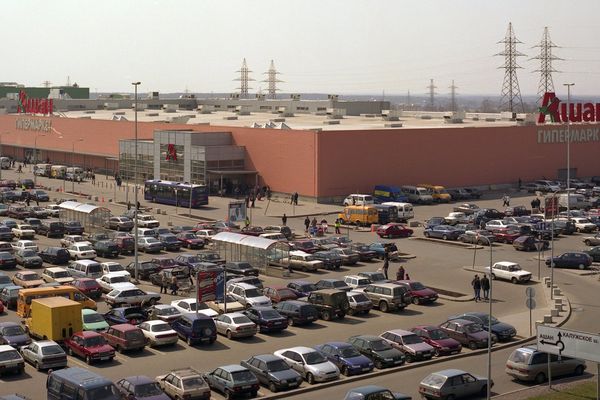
x=35, y=158
x=135, y=174
x=554, y=207
x=568, y=85
x=73, y=163
x=489, y=349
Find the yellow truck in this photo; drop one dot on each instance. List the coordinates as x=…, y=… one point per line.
x=54, y=318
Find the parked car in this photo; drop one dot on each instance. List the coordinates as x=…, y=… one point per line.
x=11, y=360
x=44, y=354
x=7, y=260
x=218, y=305
x=507, y=236
x=147, y=221
x=149, y=244
x=364, y=252
x=51, y=229
x=584, y=225
x=392, y=230
x=190, y=240
x=169, y=242
x=374, y=392
x=248, y=295
x=310, y=363
x=570, y=260
x=119, y=224
x=381, y=249
x=125, y=244
x=144, y=269
x=412, y=345
x=93, y=321
x=24, y=231
x=91, y=346
x=419, y=293
x=27, y=279
x=359, y=303
x=453, y=383
x=6, y=234
x=303, y=261
x=388, y=296
x=125, y=315
x=594, y=253
x=56, y=274
x=378, y=350
x=114, y=280
x=266, y=319
x=106, y=248
x=235, y=325
x=164, y=312
x=374, y=276
x=134, y=295
x=74, y=228
x=240, y=268
x=81, y=250
x=297, y=312
x=140, y=388
x=529, y=364
x=191, y=305
x=272, y=372
x=345, y=356
x=194, y=328
x=330, y=303
x=438, y=339
x=530, y=243
x=592, y=240
x=125, y=337
x=457, y=217
x=233, y=380
x=501, y=330
x=445, y=232
x=356, y=281
x=467, y=333
x=88, y=286
x=184, y=383
x=211, y=257
x=302, y=288
x=9, y=295
x=509, y=271
x=13, y=334
x=481, y=237
x=305, y=245
x=466, y=208
x=278, y=293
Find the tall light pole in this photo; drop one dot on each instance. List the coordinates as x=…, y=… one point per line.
x=135, y=175
x=35, y=158
x=568, y=85
x=554, y=208
x=5, y=133
x=73, y=163
x=489, y=349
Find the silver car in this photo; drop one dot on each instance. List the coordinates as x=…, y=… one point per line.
x=413, y=347
x=149, y=245
x=529, y=364
x=235, y=325
x=359, y=303
x=453, y=383
x=311, y=364
x=44, y=354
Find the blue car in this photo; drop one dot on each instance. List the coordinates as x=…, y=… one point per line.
x=13, y=335
x=194, y=328
x=503, y=330
x=374, y=392
x=380, y=248
x=267, y=319
x=125, y=315
x=445, y=232
x=303, y=288
x=346, y=358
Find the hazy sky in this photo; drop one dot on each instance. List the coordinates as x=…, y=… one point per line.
x=345, y=46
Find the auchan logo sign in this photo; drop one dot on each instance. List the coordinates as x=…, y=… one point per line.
x=34, y=106
x=557, y=110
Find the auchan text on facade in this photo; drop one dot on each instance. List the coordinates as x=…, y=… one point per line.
x=557, y=110
x=34, y=106
x=560, y=135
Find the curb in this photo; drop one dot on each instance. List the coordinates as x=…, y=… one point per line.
x=482, y=271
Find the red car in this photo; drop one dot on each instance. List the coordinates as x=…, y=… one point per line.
x=506, y=236
x=419, y=292
x=191, y=241
x=280, y=293
x=91, y=346
x=305, y=245
x=438, y=339
x=88, y=286
x=164, y=263
x=394, y=230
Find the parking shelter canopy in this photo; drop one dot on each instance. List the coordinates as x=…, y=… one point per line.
x=90, y=216
x=258, y=251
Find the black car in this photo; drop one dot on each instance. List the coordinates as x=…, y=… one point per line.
x=7, y=260
x=273, y=372
x=297, y=312
x=378, y=350
x=240, y=268
x=473, y=193
x=267, y=319
x=73, y=228
x=106, y=248
x=565, y=227
x=6, y=234
x=170, y=242
x=55, y=255
x=302, y=288
x=571, y=260
x=145, y=269
x=330, y=259
x=52, y=229
x=364, y=252
x=594, y=252
x=39, y=195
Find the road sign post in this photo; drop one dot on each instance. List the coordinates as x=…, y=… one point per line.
x=530, y=303
x=539, y=246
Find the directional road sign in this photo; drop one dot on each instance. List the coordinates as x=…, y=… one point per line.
x=564, y=342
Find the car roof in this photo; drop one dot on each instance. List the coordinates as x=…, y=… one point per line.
x=266, y=357
x=6, y=347
x=139, y=379
x=368, y=389
x=300, y=349
x=368, y=338
x=88, y=334
x=55, y=269
x=450, y=372
x=461, y=321
x=245, y=285
x=88, y=311
x=401, y=332
x=329, y=291
x=185, y=372
x=233, y=368
x=338, y=344
x=8, y=323
x=234, y=314
x=386, y=284
x=125, y=327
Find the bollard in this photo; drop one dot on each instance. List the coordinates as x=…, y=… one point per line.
x=164, y=212
x=558, y=301
x=554, y=313
x=96, y=198
x=547, y=319
x=557, y=292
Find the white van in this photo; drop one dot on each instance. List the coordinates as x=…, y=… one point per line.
x=577, y=201
x=405, y=210
x=42, y=169
x=359, y=200
x=417, y=194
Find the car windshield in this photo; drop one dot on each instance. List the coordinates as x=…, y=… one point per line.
x=348, y=352
x=115, y=267
x=520, y=356
x=148, y=389
x=9, y=355
x=3, y=278
x=380, y=345
x=28, y=253
x=52, y=350
x=169, y=239
x=84, y=248
x=360, y=298
x=88, y=284
x=61, y=274
x=242, y=320
x=104, y=392
x=314, y=358
x=252, y=293
x=193, y=383
x=270, y=314
x=417, y=286
x=211, y=256
x=94, y=341
x=377, y=277
x=192, y=259
x=438, y=334
x=161, y=327
x=13, y=331
x=411, y=339
x=277, y=365
x=242, y=376
x=30, y=277
x=434, y=380
x=189, y=236
x=118, y=279
x=92, y=318
x=167, y=311
x=484, y=319
x=339, y=284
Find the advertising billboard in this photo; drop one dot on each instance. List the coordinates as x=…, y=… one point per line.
x=210, y=285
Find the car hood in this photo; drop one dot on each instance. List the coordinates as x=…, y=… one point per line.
x=420, y=347
x=449, y=342
x=100, y=349
x=324, y=368
x=391, y=353
x=17, y=339
x=358, y=360
x=284, y=375
x=259, y=300
x=520, y=273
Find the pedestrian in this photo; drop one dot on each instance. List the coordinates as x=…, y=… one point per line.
x=407, y=278
x=314, y=222
x=163, y=285
x=519, y=183
x=505, y=200
x=353, y=200
x=190, y=271
x=533, y=204
x=138, y=205
x=27, y=201
x=306, y=223
x=296, y=198
x=476, y=284
x=284, y=219
x=252, y=199
x=338, y=224
x=324, y=225
x=268, y=193
x=400, y=274
x=174, y=286
x=128, y=205
x=19, y=169
x=37, y=202
x=247, y=200
x=292, y=198
x=247, y=222
x=485, y=285
x=386, y=265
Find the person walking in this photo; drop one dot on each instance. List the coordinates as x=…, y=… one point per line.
x=174, y=286
x=386, y=265
x=505, y=200
x=163, y=285
x=295, y=198
x=284, y=219
x=407, y=278
x=476, y=284
x=485, y=285
x=306, y=223
x=400, y=274
x=292, y=198
x=338, y=224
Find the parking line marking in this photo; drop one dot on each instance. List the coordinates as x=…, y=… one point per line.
x=73, y=360
x=153, y=350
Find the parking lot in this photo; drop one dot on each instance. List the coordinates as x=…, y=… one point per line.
x=436, y=264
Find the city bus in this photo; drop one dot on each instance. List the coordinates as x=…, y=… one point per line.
x=175, y=193
x=69, y=292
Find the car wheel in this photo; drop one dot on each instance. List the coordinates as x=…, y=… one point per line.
x=70, y=351
x=514, y=280
x=88, y=360
x=578, y=230
x=409, y=358
x=310, y=378
x=119, y=349
x=326, y=315
x=436, y=352
x=229, y=334
x=272, y=387
x=227, y=394
x=581, y=266
x=378, y=364
x=345, y=371
x=415, y=301
x=383, y=306
x=450, y=397
x=587, y=242
x=358, y=223
x=189, y=341
x=579, y=370
x=473, y=345
x=540, y=378
x=291, y=321
x=350, y=311
x=483, y=391
x=493, y=276
x=445, y=237
x=36, y=365
x=426, y=234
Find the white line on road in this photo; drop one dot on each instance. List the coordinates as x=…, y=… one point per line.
x=153, y=350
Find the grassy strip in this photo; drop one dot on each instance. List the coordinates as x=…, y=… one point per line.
x=583, y=391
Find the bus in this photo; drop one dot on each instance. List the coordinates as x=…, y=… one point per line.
x=69, y=292
x=175, y=193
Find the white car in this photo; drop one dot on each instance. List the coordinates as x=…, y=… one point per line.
x=356, y=282
x=158, y=333
x=582, y=225
x=189, y=306
x=81, y=250
x=248, y=295
x=112, y=281
x=509, y=271
x=458, y=217
x=147, y=221
x=53, y=210
x=206, y=234
x=111, y=266
x=310, y=363
x=359, y=200
x=25, y=244
x=68, y=240
x=235, y=325
x=23, y=231
x=495, y=225
x=131, y=295
x=11, y=360
x=57, y=274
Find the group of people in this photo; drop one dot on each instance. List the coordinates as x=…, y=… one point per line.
x=480, y=284
x=172, y=284
x=401, y=274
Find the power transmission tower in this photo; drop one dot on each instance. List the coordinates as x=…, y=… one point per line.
x=244, y=79
x=432, y=93
x=272, y=81
x=546, y=69
x=453, y=96
x=511, y=94
x=408, y=105
x=47, y=84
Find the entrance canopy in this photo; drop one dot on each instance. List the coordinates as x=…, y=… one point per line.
x=257, y=251
x=90, y=216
